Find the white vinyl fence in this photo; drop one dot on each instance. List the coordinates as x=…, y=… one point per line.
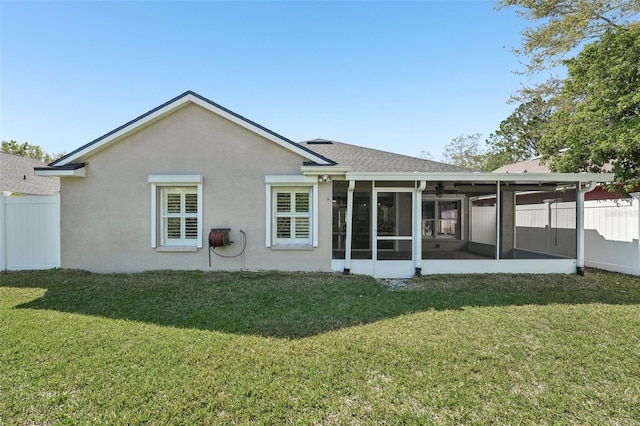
x=611, y=232
x=29, y=232
x=612, y=235
x=547, y=228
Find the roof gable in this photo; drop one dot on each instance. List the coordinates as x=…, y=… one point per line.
x=178, y=102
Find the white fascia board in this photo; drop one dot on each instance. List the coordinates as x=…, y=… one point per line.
x=173, y=179
x=289, y=179
x=325, y=170
x=179, y=103
x=79, y=172
x=484, y=177
x=300, y=151
x=124, y=131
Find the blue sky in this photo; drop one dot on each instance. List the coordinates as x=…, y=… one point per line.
x=398, y=76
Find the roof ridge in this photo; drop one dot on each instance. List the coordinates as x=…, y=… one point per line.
x=392, y=153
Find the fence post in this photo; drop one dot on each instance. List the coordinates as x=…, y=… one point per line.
x=3, y=234
x=635, y=211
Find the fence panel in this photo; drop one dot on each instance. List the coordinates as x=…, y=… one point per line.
x=483, y=224
x=612, y=232
x=29, y=232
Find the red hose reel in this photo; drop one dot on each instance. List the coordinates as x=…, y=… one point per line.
x=219, y=237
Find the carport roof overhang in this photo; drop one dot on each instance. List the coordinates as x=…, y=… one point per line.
x=485, y=178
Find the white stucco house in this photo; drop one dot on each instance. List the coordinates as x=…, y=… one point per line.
x=146, y=195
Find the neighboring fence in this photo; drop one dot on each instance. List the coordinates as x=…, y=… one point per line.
x=547, y=228
x=612, y=235
x=611, y=231
x=483, y=225
x=29, y=232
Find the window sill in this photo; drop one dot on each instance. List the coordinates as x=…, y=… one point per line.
x=292, y=247
x=177, y=248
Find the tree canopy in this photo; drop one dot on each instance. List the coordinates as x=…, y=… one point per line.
x=597, y=121
x=588, y=121
x=465, y=151
x=519, y=135
x=561, y=26
x=25, y=149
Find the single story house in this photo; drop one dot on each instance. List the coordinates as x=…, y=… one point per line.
x=146, y=195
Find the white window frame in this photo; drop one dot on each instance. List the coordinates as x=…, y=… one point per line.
x=290, y=183
x=158, y=185
x=436, y=220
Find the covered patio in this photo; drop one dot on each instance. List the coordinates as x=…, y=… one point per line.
x=393, y=225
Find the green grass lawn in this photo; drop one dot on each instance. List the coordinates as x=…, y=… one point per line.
x=290, y=348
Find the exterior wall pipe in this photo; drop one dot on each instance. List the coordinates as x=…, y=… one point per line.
x=418, y=228
x=498, y=221
x=580, y=225
x=347, y=248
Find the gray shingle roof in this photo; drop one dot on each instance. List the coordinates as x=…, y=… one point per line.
x=527, y=166
x=362, y=159
x=16, y=175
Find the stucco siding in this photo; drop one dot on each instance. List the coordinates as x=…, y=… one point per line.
x=106, y=216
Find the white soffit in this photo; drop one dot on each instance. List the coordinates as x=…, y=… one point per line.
x=484, y=177
x=79, y=172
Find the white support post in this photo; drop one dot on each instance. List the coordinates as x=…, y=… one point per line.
x=498, y=212
x=417, y=232
x=349, y=218
x=580, y=224
x=635, y=204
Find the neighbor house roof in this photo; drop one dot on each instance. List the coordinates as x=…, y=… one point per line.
x=361, y=159
x=17, y=176
x=527, y=166
x=80, y=154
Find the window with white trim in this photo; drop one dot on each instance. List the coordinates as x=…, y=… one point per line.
x=291, y=212
x=179, y=216
x=176, y=212
x=441, y=219
x=292, y=216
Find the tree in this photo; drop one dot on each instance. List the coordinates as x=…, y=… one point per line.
x=564, y=25
x=465, y=151
x=27, y=150
x=596, y=120
x=519, y=134
x=425, y=155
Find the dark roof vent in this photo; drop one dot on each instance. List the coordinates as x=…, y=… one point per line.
x=319, y=142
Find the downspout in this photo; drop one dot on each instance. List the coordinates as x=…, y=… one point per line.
x=347, y=244
x=580, y=225
x=418, y=228
x=498, y=221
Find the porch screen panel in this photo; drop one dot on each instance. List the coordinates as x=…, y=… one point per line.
x=394, y=226
x=361, y=221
